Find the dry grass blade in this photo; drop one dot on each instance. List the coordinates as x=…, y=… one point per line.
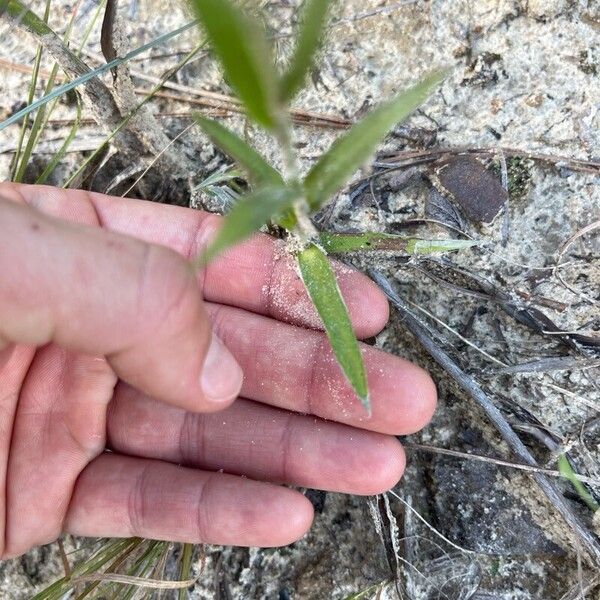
x=219, y=100
x=225, y=104
x=156, y=584
x=429, y=526
x=556, y=271
x=547, y=365
x=499, y=462
x=408, y=157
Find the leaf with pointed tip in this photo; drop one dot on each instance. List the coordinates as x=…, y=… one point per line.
x=308, y=42
x=241, y=46
x=350, y=151
x=248, y=215
x=260, y=171
x=418, y=246
x=322, y=287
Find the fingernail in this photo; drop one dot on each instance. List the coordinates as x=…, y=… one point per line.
x=221, y=378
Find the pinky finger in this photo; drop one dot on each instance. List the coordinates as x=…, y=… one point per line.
x=118, y=496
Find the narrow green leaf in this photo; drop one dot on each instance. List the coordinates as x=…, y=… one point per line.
x=567, y=472
x=308, y=42
x=352, y=149
x=260, y=171
x=185, y=568
x=340, y=243
x=322, y=287
x=248, y=215
x=20, y=11
x=59, y=155
x=17, y=163
x=241, y=46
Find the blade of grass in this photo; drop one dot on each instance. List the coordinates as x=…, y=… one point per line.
x=16, y=162
x=241, y=46
x=142, y=567
x=350, y=151
x=322, y=287
x=109, y=551
x=185, y=569
x=224, y=174
x=63, y=89
x=260, y=171
x=308, y=42
x=340, y=243
x=58, y=156
x=247, y=216
x=88, y=30
x=567, y=472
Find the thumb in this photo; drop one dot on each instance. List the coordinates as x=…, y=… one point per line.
x=102, y=293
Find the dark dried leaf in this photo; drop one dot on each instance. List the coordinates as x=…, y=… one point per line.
x=477, y=191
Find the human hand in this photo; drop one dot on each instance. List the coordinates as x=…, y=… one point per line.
x=108, y=391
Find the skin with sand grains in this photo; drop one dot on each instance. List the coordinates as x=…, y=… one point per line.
x=142, y=399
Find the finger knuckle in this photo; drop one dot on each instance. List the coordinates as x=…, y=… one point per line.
x=138, y=507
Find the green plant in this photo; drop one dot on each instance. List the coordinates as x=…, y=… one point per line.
x=285, y=197
x=566, y=470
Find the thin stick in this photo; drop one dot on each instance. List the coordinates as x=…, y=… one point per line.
x=64, y=558
x=587, y=539
x=497, y=461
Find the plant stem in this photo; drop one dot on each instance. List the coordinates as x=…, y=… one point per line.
x=291, y=173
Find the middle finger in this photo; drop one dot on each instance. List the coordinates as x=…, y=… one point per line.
x=294, y=368
x=257, y=441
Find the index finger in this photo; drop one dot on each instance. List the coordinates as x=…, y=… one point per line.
x=102, y=293
x=257, y=275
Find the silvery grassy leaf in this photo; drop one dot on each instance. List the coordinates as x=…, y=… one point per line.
x=350, y=151
x=241, y=46
x=340, y=243
x=32, y=23
x=248, y=215
x=260, y=171
x=308, y=42
x=322, y=287
x=419, y=246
